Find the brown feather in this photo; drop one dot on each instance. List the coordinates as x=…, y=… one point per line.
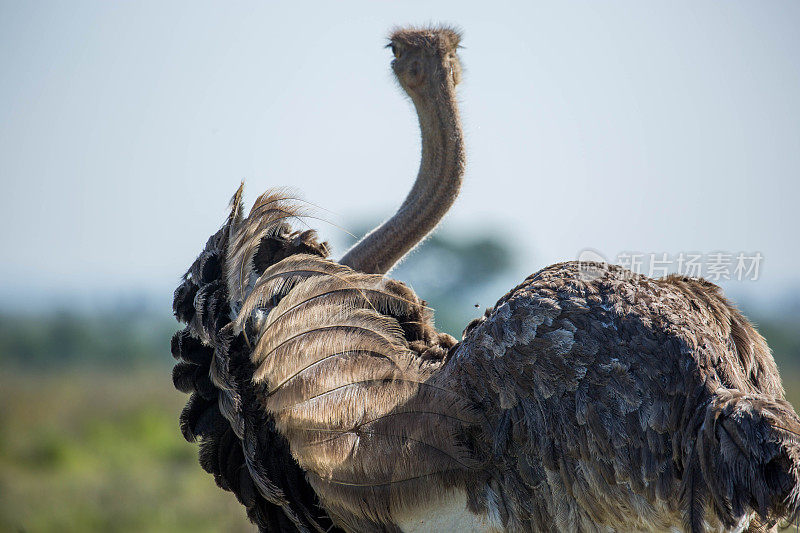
x=338, y=370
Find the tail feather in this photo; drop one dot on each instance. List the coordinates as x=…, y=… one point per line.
x=749, y=455
x=239, y=444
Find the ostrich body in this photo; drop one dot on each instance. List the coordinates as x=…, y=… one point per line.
x=588, y=398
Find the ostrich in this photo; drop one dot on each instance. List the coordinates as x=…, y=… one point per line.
x=589, y=398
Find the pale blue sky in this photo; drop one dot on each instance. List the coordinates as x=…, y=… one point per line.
x=648, y=126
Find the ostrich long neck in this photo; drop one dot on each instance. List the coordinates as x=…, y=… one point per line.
x=437, y=186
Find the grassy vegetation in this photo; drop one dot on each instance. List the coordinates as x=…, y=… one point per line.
x=102, y=452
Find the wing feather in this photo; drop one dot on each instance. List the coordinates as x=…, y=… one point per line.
x=266, y=219
x=364, y=414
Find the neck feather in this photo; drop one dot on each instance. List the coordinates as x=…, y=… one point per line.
x=436, y=188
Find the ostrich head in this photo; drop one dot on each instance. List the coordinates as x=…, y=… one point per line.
x=425, y=60
x=428, y=69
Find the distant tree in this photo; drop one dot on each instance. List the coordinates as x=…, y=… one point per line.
x=783, y=336
x=113, y=339
x=457, y=274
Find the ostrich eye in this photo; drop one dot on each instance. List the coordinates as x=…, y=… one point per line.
x=395, y=51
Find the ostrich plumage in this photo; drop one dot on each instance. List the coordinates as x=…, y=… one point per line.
x=589, y=398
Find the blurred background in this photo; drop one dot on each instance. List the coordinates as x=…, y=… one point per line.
x=622, y=127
